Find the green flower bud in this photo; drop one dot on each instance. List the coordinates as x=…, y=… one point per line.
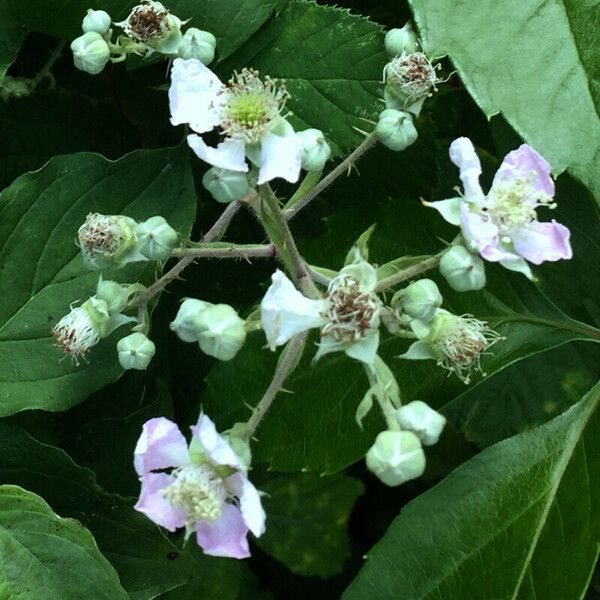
x=186, y=325
x=90, y=52
x=116, y=295
x=222, y=331
x=315, y=149
x=108, y=241
x=462, y=270
x=419, y=300
x=401, y=41
x=395, y=129
x=156, y=238
x=226, y=186
x=97, y=21
x=198, y=44
x=135, y=351
x=426, y=423
x=396, y=457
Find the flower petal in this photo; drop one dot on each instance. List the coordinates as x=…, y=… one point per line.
x=419, y=351
x=153, y=504
x=462, y=154
x=449, y=209
x=365, y=349
x=226, y=536
x=227, y=155
x=540, y=242
x=250, y=504
x=363, y=272
x=285, y=312
x=526, y=163
x=160, y=446
x=519, y=266
x=193, y=95
x=477, y=231
x=216, y=448
x=281, y=156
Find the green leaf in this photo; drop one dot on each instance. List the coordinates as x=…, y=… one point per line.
x=42, y=272
x=527, y=506
x=148, y=564
x=307, y=520
x=12, y=35
x=44, y=557
x=506, y=69
x=331, y=61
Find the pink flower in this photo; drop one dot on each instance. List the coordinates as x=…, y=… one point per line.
x=203, y=487
x=502, y=226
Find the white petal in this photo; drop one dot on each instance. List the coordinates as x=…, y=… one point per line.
x=462, y=154
x=285, y=312
x=193, y=95
x=250, y=504
x=215, y=447
x=419, y=351
x=227, y=155
x=449, y=209
x=519, y=265
x=281, y=156
x=364, y=273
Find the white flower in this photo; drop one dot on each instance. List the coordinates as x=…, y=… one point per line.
x=348, y=315
x=248, y=112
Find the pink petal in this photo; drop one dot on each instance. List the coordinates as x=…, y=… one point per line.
x=539, y=242
x=193, y=95
x=526, y=163
x=478, y=232
x=155, y=506
x=281, y=156
x=226, y=536
x=229, y=154
x=462, y=154
x=217, y=450
x=160, y=446
x=250, y=504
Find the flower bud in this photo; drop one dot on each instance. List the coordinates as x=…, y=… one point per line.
x=395, y=129
x=226, y=186
x=237, y=437
x=135, y=351
x=90, y=52
x=462, y=270
x=419, y=300
x=108, y=241
x=396, y=457
x=401, y=41
x=315, y=149
x=426, y=423
x=198, y=44
x=185, y=325
x=222, y=331
x=114, y=294
x=96, y=20
x=156, y=238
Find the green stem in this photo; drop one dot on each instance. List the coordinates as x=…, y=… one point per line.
x=311, y=179
x=408, y=273
x=287, y=363
x=280, y=235
x=343, y=167
x=246, y=251
x=387, y=408
x=45, y=70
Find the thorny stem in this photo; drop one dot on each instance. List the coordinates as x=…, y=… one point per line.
x=246, y=251
x=45, y=70
x=213, y=234
x=408, y=273
x=288, y=361
x=301, y=273
x=344, y=166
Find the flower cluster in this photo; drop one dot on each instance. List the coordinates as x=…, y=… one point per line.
x=149, y=28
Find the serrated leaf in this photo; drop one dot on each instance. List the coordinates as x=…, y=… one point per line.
x=42, y=273
x=148, y=564
x=540, y=69
x=331, y=61
x=44, y=557
x=527, y=507
x=307, y=521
